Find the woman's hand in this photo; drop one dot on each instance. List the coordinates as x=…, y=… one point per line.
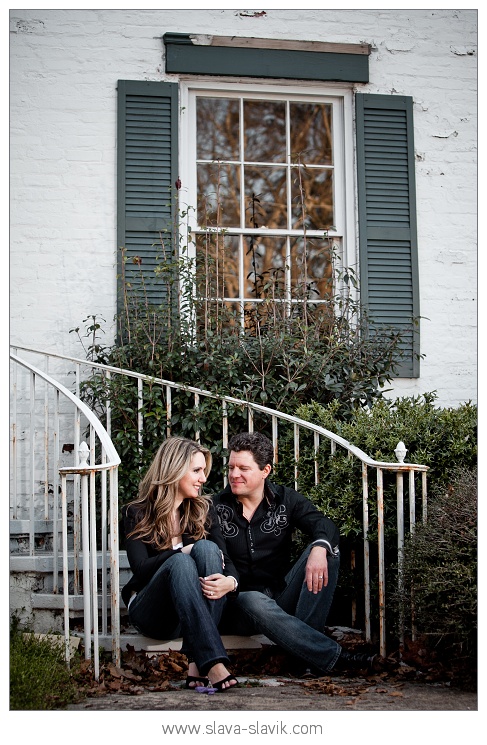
x=215, y=586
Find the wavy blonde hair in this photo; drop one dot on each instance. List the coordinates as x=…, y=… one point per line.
x=158, y=491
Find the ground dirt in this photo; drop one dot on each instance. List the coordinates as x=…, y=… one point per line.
x=270, y=694
x=416, y=679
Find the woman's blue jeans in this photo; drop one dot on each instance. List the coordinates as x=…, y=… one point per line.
x=294, y=618
x=172, y=605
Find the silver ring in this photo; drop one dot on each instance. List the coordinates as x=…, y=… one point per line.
x=210, y=593
x=320, y=576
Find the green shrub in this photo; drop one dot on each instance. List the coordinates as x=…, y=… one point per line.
x=440, y=565
x=39, y=676
x=444, y=439
x=441, y=438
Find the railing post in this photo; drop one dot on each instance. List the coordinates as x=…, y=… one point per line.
x=400, y=453
x=296, y=455
x=108, y=404
x=168, y=410
x=382, y=578
x=104, y=547
x=365, y=510
x=275, y=443
x=412, y=528
x=316, y=448
x=94, y=574
x=85, y=547
x=32, y=441
x=140, y=418
x=64, y=518
x=400, y=549
x=224, y=439
x=114, y=567
x=424, y=495
x=196, y=408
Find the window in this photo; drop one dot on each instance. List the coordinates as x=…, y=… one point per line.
x=359, y=173
x=265, y=178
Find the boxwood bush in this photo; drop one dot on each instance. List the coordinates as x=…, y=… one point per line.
x=444, y=439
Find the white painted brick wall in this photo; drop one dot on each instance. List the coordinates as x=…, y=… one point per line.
x=64, y=67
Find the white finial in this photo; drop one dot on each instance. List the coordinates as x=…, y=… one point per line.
x=400, y=451
x=83, y=453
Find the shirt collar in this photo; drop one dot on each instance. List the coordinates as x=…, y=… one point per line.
x=269, y=495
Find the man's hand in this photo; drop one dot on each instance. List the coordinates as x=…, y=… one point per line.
x=215, y=586
x=317, y=569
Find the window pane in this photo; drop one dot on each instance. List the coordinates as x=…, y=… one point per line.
x=265, y=131
x=265, y=197
x=218, y=195
x=217, y=266
x=264, y=266
x=218, y=131
x=312, y=198
x=311, y=133
x=311, y=272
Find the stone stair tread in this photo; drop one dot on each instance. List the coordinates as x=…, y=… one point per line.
x=145, y=644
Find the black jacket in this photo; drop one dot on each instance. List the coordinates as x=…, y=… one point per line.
x=145, y=559
x=261, y=549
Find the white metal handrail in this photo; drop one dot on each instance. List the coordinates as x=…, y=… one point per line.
x=109, y=462
x=399, y=467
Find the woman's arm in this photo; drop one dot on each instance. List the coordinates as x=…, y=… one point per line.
x=144, y=562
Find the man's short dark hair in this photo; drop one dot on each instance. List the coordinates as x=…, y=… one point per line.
x=258, y=444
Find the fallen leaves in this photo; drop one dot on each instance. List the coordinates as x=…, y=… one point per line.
x=143, y=671
x=139, y=672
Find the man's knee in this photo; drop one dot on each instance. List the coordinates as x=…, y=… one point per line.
x=254, y=601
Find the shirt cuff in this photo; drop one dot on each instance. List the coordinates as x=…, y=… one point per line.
x=324, y=543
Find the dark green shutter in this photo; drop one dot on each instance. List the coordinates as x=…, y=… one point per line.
x=387, y=219
x=146, y=177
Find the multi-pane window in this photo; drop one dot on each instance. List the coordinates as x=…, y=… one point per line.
x=268, y=176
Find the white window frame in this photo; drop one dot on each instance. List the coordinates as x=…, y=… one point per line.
x=344, y=182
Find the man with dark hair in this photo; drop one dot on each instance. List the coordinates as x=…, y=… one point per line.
x=287, y=603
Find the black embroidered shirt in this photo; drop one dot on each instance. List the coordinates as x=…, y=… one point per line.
x=261, y=549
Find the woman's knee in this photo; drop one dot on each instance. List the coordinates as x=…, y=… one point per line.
x=205, y=548
x=178, y=564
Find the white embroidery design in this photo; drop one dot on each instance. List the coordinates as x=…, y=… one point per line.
x=276, y=520
x=225, y=514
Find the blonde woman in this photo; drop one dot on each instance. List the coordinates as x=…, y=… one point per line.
x=181, y=573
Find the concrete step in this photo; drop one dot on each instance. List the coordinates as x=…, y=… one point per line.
x=145, y=644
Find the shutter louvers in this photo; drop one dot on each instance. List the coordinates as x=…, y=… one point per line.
x=387, y=220
x=147, y=172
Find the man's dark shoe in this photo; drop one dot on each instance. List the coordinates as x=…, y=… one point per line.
x=355, y=661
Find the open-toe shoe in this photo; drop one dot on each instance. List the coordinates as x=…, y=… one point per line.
x=219, y=686
x=198, y=680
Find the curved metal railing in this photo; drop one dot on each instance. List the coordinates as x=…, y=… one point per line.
x=400, y=468
x=88, y=499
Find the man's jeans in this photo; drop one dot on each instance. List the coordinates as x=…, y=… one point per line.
x=294, y=619
x=172, y=604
